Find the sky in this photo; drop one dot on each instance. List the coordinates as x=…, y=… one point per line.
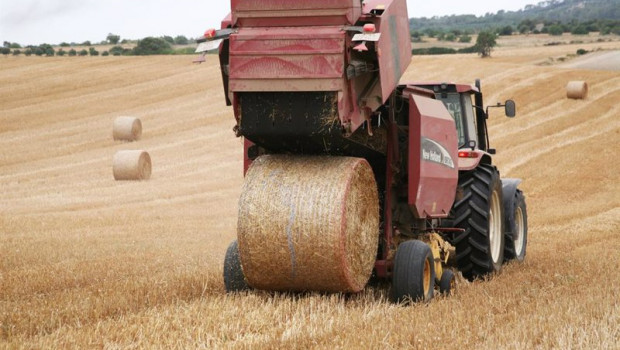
x=33, y=22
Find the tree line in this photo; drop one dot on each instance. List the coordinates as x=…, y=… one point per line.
x=527, y=26
x=148, y=46
x=602, y=14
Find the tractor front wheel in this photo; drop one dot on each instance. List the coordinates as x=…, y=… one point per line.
x=413, y=278
x=447, y=282
x=516, y=237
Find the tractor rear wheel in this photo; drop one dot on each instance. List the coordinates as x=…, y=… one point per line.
x=413, y=278
x=234, y=280
x=480, y=248
x=516, y=232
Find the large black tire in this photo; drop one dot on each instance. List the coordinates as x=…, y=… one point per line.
x=516, y=229
x=480, y=249
x=413, y=278
x=234, y=280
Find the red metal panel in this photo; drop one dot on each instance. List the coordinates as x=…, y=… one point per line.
x=260, y=57
x=286, y=67
x=287, y=13
x=395, y=44
x=433, y=152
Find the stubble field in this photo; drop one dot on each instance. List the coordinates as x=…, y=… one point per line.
x=87, y=262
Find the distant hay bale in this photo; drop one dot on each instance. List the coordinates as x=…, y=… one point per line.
x=308, y=223
x=127, y=129
x=132, y=165
x=577, y=90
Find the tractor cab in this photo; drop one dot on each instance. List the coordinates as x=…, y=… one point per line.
x=465, y=104
x=458, y=101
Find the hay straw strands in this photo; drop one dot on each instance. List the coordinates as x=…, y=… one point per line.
x=127, y=129
x=577, y=90
x=308, y=223
x=132, y=165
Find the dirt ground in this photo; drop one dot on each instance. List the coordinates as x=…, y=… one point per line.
x=88, y=262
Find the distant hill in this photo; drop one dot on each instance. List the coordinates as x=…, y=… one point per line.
x=552, y=10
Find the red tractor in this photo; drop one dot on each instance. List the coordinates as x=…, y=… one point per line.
x=315, y=81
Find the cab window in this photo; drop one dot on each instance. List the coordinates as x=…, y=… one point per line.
x=469, y=118
x=452, y=101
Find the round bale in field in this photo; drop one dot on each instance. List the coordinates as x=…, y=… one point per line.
x=127, y=129
x=577, y=90
x=308, y=223
x=132, y=165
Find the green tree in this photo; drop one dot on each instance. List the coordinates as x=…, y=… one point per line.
x=17, y=52
x=105, y=53
x=72, y=53
x=93, y=52
x=524, y=29
x=580, y=30
x=485, y=43
x=83, y=52
x=45, y=49
x=181, y=40
x=28, y=52
x=61, y=52
x=465, y=38
x=556, y=30
x=64, y=44
x=593, y=27
x=506, y=31
x=168, y=39
x=117, y=50
x=416, y=36
x=113, y=38
x=86, y=43
x=526, y=26
x=5, y=50
x=450, y=37
x=431, y=33
x=152, y=46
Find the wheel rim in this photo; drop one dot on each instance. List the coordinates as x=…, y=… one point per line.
x=519, y=231
x=427, y=277
x=495, y=228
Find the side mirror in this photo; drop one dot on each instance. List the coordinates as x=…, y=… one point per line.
x=511, y=109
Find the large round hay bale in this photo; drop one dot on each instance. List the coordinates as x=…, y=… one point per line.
x=132, y=165
x=127, y=129
x=577, y=90
x=308, y=223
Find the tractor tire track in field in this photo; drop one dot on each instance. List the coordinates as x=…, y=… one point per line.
x=567, y=137
x=553, y=111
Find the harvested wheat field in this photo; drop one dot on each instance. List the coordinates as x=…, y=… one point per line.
x=90, y=262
